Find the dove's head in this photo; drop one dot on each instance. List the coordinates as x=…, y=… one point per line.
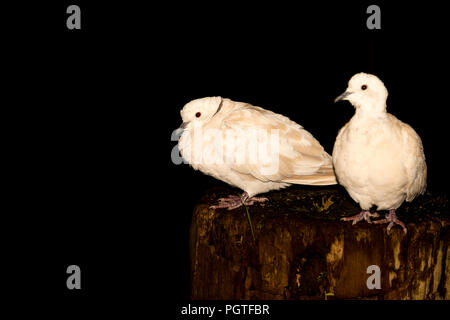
x=366, y=93
x=199, y=111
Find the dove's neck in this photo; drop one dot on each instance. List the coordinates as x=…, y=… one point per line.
x=371, y=110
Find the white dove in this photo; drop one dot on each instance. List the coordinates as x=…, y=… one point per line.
x=377, y=158
x=233, y=134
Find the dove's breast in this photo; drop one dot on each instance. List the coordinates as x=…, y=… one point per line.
x=202, y=149
x=367, y=162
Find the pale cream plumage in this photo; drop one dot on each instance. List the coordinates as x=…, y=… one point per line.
x=377, y=158
x=301, y=159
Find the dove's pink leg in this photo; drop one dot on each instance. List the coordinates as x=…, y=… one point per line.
x=366, y=215
x=391, y=217
x=232, y=202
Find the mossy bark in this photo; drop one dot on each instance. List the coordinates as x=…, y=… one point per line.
x=303, y=251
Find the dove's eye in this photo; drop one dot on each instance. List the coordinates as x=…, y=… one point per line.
x=198, y=114
x=364, y=87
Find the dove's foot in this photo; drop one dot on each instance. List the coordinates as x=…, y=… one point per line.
x=366, y=215
x=232, y=202
x=391, y=218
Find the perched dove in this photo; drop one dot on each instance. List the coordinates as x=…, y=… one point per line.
x=250, y=148
x=377, y=158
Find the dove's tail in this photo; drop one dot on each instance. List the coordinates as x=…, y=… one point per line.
x=323, y=177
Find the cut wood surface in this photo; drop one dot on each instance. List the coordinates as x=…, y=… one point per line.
x=302, y=250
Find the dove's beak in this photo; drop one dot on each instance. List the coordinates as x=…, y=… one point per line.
x=179, y=131
x=184, y=125
x=343, y=96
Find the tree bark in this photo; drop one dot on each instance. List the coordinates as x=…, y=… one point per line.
x=302, y=250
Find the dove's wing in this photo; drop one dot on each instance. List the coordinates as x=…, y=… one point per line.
x=414, y=161
x=299, y=157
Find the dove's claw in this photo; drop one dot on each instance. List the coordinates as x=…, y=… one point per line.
x=391, y=218
x=258, y=199
x=232, y=202
x=230, y=198
x=366, y=215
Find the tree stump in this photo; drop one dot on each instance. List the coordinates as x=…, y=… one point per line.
x=301, y=249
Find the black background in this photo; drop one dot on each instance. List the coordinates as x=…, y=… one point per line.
x=92, y=112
